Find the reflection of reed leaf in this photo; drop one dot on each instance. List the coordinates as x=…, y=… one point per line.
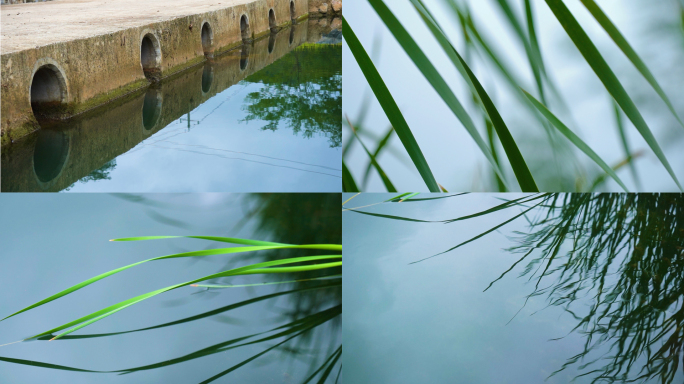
x=615, y=263
x=626, y=257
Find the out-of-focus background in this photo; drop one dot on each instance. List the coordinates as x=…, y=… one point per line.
x=653, y=28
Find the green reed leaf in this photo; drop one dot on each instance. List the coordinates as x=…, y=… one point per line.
x=208, y=252
x=385, y=179
x=608, y=78
x=627, y=49
x=581, y=145
x=348, y=183
x=522, y=172
x=390, y=107
x=258, y=268
x=381, y=145
x=432, y=76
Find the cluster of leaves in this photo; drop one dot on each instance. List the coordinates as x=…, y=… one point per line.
x=304, y=91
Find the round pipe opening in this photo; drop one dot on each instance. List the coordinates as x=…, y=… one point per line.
x=207, y=78
x=244, y=57
x=151, y=110
x=48, y=92
x=150, y=56
x=271, y=43
x=50, y=154
x=272, y=21
x=207, y=38
x=244, y=27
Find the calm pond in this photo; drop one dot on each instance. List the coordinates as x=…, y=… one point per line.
x=593, y=284
x=264, y=117
x=276, y=333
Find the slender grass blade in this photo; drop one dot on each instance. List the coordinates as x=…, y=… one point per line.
x=432, y=76
x=608, y=78
x=627, y=49
x=389, y=106
x=348, y=183
x=522, y=172
x=581, y=145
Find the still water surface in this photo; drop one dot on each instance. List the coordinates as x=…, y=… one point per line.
x=264, y=117
x=435, y=321
x=45, y=253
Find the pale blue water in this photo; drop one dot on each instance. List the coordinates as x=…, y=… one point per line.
x=50, y=242
x=431, y=322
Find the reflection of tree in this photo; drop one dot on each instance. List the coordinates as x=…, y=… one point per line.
x=102, y=173
x=294, y=219
x=625, y=253
x=302, y=89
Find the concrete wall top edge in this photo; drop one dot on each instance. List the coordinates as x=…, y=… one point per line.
x=32, y=25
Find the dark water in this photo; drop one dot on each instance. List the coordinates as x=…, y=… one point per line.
x=264, y=117
x=593, y=284
x=44, y=253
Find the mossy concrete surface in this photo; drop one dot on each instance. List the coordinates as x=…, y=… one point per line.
x=94, y=46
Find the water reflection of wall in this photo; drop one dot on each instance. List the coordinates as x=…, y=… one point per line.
x=95, y=139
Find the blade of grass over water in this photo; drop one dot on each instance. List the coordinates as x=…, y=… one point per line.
x=46, y=365
x=208, y=252
x=482, y=234
x=328, y=363
x=608, y=78
x=349, y=199
x=408, y=197
x=398, y=197
x=522, y=172
x=385, y=180
x=627, y=49
x=331, y=284
x=258, y=268
x=581, y=145
x=348, y=183
x=381, y=145
x=432, y=76
x=505, y=205
x=625, y=143
x=390, y=107
x=627, y=161
x=259, y=284
x=231, y=240
x=534, y=57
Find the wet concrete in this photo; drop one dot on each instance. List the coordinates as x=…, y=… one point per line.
x=101, y=50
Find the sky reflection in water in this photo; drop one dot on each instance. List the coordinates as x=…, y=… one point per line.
x=436, y=321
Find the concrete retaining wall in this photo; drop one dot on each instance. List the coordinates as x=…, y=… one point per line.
x=99, y=69
x=98, y=136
